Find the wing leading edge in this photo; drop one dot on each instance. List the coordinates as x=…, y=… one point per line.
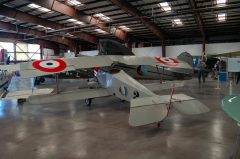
x=45, y=67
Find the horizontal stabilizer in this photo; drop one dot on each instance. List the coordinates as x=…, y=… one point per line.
x=68, y=96
x=153, y=109
x=187, y=105
x=191, y=107
x=146, y=110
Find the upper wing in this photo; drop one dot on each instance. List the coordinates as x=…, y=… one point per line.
x=45, y=67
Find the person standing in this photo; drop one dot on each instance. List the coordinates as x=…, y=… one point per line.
x=217, y=67
x=201, y=71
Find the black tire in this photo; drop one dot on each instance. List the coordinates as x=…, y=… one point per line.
x=42, y=79
x=159, y=124
x=21, y=100
x=37, y=81
x=88, y=101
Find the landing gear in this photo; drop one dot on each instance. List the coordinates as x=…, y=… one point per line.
x=88, y=101
x=158, y=124
x=21, y=100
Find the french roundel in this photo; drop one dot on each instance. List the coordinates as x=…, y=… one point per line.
x=52, y=66
x=168, y=61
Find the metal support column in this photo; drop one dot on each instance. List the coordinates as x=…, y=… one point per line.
x=129, y=45
x=203, y=47
x=14, y=51
x=41, y=52
x=163, y=49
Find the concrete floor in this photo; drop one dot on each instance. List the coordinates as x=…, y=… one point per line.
x=71, y=130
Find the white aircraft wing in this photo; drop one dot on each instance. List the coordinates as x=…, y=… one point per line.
x=51, y=66
x=68, y=96
x=165, y=85
x=148, y=110
x=24, y=94
x=10, y=68
x=45, y=67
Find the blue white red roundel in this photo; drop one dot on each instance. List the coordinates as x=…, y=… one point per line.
x=168, y=61
x=52, y=66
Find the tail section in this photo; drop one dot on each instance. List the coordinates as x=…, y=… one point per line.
x=111, y=47
x=186, y=57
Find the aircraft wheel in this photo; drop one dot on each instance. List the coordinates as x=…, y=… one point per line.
x=21, y=100
x=88, y=101
x=158, y=124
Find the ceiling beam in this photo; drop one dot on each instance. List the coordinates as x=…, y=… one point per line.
x=198, y=18
x=124, y=5
x=24, y=17
x=11, y=37
x=27, y=31
x=199, y=22
x=127, y=7
x=74, y=13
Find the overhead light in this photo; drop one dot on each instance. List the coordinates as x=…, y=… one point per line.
x=100, y=31
x=221, y=17
x=124, y=28
x=34, y=6
x=102, y=17
x=69, y=35
x=165, y=6
x=48, y=28
x=79, y=23
x=74, y=3
x=42, y=9
x=40, y=26
x=221, y=2
x=75, y=21
x=177, y=22
x=71, y=20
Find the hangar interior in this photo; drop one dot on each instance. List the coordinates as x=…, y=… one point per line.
x=167, y=72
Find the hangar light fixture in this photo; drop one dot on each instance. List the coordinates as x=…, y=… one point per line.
x=221, y=2
x=75, y=21
x=165, y=6
x=123, y=27
x=48, y=28
x=71, y=20
x=100, y=31
x=33, y=6
x=177, y=22
x=74, y=3
x=69, y=35
x=221, y=17
x=79, y=23
x=102, y=17
x=40, y=26
x=41, y=9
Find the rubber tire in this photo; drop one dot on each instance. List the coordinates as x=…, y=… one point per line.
x=21, y=100
x=88, y=101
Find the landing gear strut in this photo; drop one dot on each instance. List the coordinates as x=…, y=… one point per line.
x=158, y=124
x=88, y=101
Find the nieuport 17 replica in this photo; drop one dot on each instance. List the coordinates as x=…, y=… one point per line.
x=117, y=71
